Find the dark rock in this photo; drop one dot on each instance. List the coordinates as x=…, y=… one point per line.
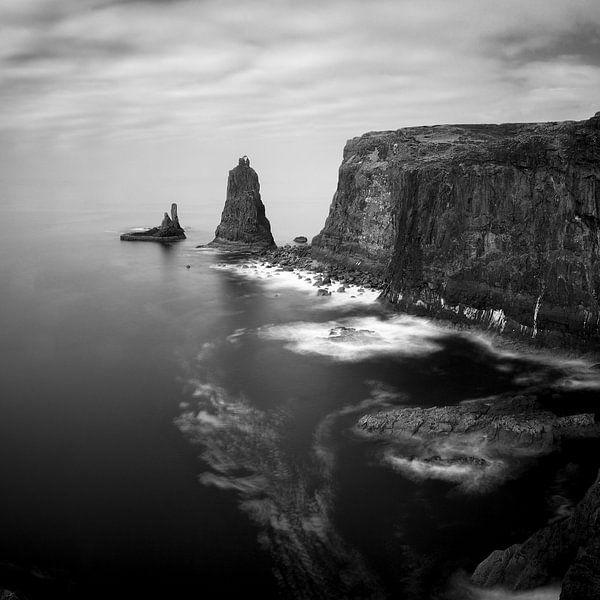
x=515, y=422
x=487, y=217
x=582, y=580
x=569, y=548
x=301, y=239
x=243, y=221
x=456, y=460
x=351, y=334
x=169, y=230
x=323, y=292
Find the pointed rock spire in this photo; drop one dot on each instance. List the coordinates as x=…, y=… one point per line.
x=243, y=221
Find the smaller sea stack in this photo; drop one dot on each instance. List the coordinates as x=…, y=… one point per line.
x=243, y=221
x=169, y=230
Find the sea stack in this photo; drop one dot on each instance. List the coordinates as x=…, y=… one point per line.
x=169, y=230
x=243, y=222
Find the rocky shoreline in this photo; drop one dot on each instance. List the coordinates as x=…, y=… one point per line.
x=494, y=223
x=481, y=443
x=569, y=549
x=290, y=257
x=303, y=257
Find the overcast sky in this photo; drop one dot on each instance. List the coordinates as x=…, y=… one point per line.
x=149, y=97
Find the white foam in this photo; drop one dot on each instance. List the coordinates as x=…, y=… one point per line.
x=399, y=335
x=579, y=373
x=241, y=445
x=470, y=477
x=545, y=593
x=274, y=278
x=581, y=380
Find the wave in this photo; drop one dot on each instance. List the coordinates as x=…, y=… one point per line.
x=358, y=338
x=473, y=472
x=274, y=278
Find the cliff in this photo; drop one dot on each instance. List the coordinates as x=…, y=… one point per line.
x=243, y=221
x=497, y=223
x=569, y=548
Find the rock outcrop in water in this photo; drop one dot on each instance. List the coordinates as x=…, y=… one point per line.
x=569, y=548
x=243, y=221
x=514, y=422
x=169, y=230
x=494, y=223
x=476, y=444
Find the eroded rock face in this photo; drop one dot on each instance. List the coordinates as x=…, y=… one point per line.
x=499, y=223
x=569, y=548
x=168, y=231
x=477, y=444
x=515, y=422
x=243, y=221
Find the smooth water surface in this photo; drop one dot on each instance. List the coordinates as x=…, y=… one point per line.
x=167, y=431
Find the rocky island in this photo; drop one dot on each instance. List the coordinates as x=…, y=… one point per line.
x=244, y=224
x=169, y=230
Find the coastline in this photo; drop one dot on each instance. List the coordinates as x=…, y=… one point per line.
x=294, y=258
x=298, y=261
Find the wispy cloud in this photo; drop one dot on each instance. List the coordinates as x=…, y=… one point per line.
x=130, y=68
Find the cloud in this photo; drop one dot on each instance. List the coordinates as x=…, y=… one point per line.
x=125, y=68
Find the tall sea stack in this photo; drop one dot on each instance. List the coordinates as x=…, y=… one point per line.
x=243, y=222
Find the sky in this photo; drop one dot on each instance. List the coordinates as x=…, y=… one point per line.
x=133, y=104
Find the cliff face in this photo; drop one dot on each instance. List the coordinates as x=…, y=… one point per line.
x=569, y=548
x=243, y=220
x=499, y=223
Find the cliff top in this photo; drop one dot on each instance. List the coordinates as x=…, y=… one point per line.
x=472, y=142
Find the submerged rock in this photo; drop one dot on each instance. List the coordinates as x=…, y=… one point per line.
x=351, y=334
x=301, y=239
x=244, y=224
x=169, y=230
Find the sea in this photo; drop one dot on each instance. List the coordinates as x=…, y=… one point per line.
x=176, y=422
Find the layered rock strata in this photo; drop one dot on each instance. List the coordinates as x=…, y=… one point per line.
x=168, y=231
x=475, y=445
x=511, y=422
x=494, y=223
x=243, y=221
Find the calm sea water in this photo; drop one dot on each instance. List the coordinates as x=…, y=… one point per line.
x=167, y=431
